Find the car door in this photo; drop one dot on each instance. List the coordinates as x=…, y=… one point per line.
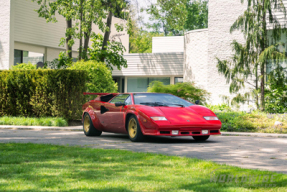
x=114, y=116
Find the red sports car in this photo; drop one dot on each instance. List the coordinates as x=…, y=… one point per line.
x=140, y=114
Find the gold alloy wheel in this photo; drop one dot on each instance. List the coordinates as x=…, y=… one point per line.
x=87, y=123
x=132, y=128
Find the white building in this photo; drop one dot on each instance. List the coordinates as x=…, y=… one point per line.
x=26, y=37
x=164, y=64
x=192, y=57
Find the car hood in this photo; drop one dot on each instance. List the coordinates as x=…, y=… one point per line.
x=186, y=115
x=180, y=115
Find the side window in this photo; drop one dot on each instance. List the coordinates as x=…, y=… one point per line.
x=120, y=98
x=128, y=101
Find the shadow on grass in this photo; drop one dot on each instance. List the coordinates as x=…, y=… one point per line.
x=34, y=167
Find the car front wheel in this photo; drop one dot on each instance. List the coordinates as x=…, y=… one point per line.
x=200, y=138
x=134, y=130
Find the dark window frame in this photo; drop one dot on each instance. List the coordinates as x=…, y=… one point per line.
x=178, y=82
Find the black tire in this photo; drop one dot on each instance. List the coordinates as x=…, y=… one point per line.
x=89, y=128
x=200, y=138
x=135, y=134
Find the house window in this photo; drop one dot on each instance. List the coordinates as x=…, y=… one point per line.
x=140, y=84
x=178, y=80
x=21, y=56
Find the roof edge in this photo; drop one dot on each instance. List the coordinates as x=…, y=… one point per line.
x=196, y=30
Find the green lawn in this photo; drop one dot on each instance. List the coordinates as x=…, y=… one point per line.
x=32, y=121
x=34, y=167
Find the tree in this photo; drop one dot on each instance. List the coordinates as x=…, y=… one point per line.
x=167, y=16
x=84, y=13
x=112, y=7
x=177, y=16
x=65, y=8
x=261, y=48
x=197, y=15
x=141, y=41
x=89, y=12
x=113, y=52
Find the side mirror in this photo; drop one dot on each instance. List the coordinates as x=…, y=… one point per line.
x=197, y=102
x=119, y=104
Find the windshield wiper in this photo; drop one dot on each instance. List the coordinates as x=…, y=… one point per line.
x=153, y=103
x=161, y=104
x=175, y=104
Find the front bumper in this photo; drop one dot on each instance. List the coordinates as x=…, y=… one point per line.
x=193, y=132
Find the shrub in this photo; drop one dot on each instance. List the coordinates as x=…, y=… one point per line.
x=252, y=122
x=219, y=107
x=276, y=96
x=40, y=93
x=186, y=91
x=24, y=66
x=99, y=77
x=29, y=121
x=62, y=62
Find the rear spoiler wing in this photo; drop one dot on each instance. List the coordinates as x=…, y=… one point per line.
x=100, y=94
x=105, y=97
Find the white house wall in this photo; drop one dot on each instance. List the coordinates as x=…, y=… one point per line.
x=33, y=30
x=152, y=64
x=222, y=14
x=168, y=44
x=196, y=57
x=6, y=34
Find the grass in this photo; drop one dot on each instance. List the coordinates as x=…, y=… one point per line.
x=37, y=167
x=252, y=122
x=30, y=121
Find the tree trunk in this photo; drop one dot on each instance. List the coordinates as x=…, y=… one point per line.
x=256, y=87
x=81, y=37
x=87, y=40
x=262, y=67
x=68, y=38
x=107, y=33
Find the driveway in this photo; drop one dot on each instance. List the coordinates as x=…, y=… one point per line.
x=247, y=152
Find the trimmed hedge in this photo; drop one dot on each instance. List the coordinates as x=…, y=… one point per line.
x=42, y=93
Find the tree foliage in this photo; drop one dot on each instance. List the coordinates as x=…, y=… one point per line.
x=65, y=8
x=167, y=16
x=113, y=53
x=197, y=15
x=187, y=91
x=261, y=48
x=276, y=91
x=174, y=17
x=140, y=40
x=84, y=13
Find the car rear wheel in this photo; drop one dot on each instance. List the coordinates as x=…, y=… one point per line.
x=200, y=138
x=134, y=130
x=89, y=128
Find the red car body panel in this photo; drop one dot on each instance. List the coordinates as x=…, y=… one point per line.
x=188, y=121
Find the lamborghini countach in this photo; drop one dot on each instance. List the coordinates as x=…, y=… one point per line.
x=141, y=114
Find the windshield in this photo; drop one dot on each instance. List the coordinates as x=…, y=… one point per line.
x=160, y=99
